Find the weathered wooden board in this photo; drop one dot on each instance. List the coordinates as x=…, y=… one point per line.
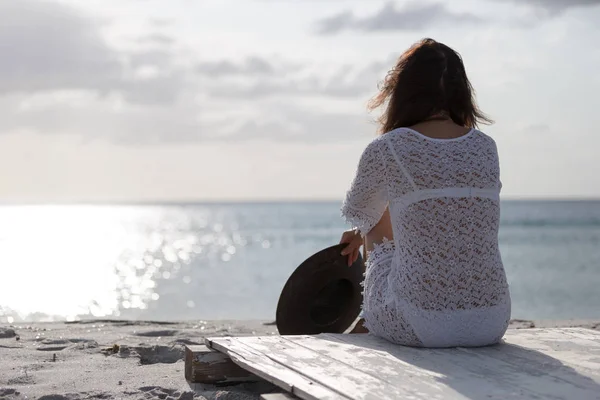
x=277, y=396
x=531, y=364
x=203, y=365
x=263, y=366
x=328, y=371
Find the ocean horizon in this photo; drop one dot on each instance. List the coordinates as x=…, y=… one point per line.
x=226, y=201
x=229, y=260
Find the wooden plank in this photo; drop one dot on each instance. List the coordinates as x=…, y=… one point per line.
x=423, y=373
x=582, y=333
x=371, y=357
x=592, y=337
x=203, y=365
x=328, y=372
x=578, y=348
x=503, y=371
x=532, y=364
x=277, y=396
x=278, y=374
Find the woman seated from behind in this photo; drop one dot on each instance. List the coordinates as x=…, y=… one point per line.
x=425, y=199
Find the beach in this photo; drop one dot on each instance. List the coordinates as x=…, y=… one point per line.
x=80, y=360
x=171, y=168
x=120, y=359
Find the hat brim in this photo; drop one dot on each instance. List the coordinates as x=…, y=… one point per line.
x=322, y=295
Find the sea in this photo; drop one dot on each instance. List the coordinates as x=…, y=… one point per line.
x=231, y=260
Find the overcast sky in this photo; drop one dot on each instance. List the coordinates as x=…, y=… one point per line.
x=130, y=100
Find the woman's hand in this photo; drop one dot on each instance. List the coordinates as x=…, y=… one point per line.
x=354, y=240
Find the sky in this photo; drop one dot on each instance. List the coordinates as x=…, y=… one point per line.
x=193, y=100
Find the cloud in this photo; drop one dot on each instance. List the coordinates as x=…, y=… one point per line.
x=53, y=47
x=348, y=81
x=154, y=90
x=94, y=119
x=90, y=117
x=250, y=67
x=63, y=78
x=49, y=46
x=159, y=39
x=156, y=57
x=161, y=22
x=538, y=128
x=59, y=76
x=554, y=7
x=412, y=17
x=310, y=86
x=301, y=124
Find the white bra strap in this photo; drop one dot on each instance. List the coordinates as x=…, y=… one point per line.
x=400, y=165
x=419, y=195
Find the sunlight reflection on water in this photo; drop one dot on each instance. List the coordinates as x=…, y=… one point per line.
x=230, y=261
x=148, y=261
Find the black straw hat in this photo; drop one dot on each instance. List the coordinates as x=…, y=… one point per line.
x=322, y=295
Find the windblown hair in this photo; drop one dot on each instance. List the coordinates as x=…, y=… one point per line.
x=428, y=80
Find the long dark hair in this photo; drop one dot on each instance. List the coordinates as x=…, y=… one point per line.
x=429, y=79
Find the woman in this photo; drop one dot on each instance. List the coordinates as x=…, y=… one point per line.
x=425, y=199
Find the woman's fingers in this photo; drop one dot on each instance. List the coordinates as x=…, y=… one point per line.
x=348, y=249
x=353, y=244
x=354, y=257
x=353, y=249
x=354, y=240
x=346, y=237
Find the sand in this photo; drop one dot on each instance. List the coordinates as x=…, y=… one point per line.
x=71, y=361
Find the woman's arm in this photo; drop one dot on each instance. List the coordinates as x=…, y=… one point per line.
x=383, y=230
x=367, y=198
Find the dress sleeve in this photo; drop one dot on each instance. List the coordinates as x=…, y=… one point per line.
x=367, y=198
x=497, y=165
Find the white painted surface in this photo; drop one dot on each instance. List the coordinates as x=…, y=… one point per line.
x=262, y=365
x=531, y=364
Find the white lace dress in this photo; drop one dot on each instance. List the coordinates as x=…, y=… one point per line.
x=440, y=282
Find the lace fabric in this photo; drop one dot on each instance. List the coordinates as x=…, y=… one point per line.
x=379, y=309
x=444, y=262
